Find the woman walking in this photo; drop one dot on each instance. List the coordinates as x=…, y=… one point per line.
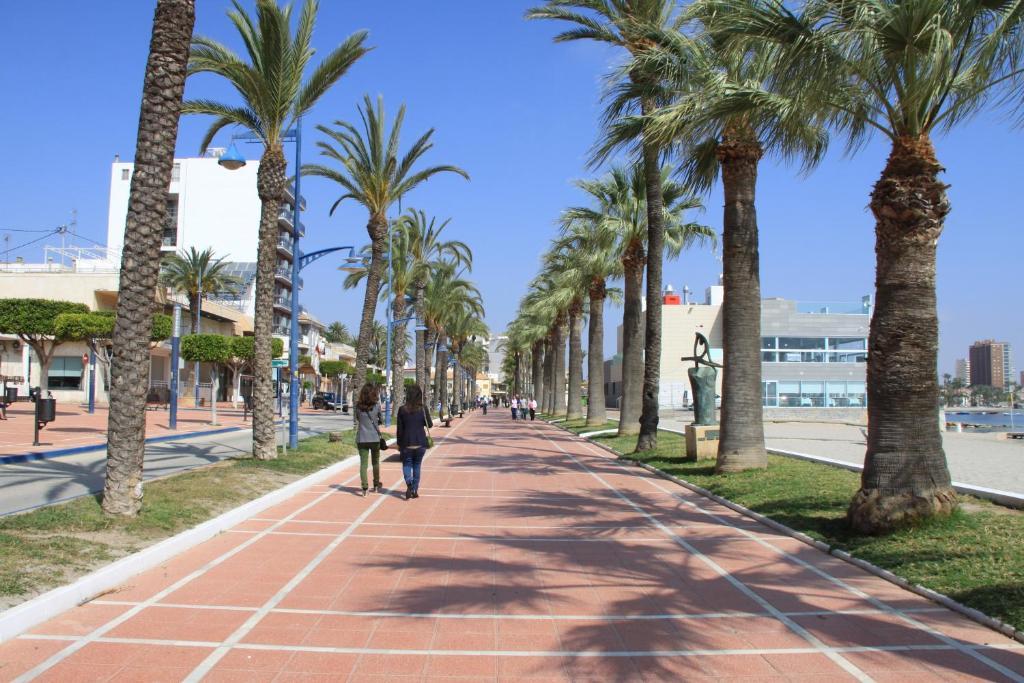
x=368, y=438
x=413, y=439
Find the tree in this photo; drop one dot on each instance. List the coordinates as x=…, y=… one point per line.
x=372, y=174
x=905, y=70
x=720, y=114
x=34, y=322
x=197, y=274
x=96, y=329
x=620, y=200
x=214, y=349
x=627, y=24
x=162, y=90
x=243, y=351
x=337, y=333
x=446, y=292
x=275, y=96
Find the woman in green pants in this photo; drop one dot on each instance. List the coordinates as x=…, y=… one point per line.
x=367, y=415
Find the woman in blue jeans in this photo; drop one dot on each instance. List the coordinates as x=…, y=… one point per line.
x=413, y=421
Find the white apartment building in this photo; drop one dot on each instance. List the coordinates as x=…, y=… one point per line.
x=209, y=206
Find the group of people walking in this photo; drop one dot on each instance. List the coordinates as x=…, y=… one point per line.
x=521, y=406
x=414, y=423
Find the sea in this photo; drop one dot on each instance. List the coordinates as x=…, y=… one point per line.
x=991, y=418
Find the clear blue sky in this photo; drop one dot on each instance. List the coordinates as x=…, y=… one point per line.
x=519, y=113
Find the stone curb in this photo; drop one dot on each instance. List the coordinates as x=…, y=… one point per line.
x=21, y=618
x=944, y=600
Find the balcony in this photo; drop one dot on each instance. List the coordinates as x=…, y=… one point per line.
x=283, y=302
x=280, y=330
x=289, y=194
x=283, y=274
x=285, y=245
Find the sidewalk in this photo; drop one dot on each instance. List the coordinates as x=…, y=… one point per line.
x=530, y=555
x=75, y=427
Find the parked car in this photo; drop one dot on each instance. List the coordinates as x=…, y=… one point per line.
x=325, y=400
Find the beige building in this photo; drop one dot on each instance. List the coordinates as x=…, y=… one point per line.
x=991, y=364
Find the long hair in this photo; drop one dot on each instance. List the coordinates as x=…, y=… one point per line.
x=369, y=396
x=413, y=398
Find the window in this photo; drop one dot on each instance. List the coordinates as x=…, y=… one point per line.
x=65, y=373
x=812, y=394
x=769, y=357
x=856, y=394
x=176, y=172
x=126, y=174
x=799, y=343
x=768, y=343
x=170, y=237
x=770, y=394
x=848, y=343
x=789, y=394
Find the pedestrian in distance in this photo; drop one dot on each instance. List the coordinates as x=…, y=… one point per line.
x=368, y=436
x=522, y=409
x=413, y=438
x=484, y=403
x=533, y=408
x=514, y=403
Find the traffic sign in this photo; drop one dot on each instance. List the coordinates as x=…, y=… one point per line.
x=278, y=362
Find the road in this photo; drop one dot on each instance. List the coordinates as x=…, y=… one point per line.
x=28, y=485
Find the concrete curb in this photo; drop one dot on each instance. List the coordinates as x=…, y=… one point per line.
x=944, y=600
x=34, y=456
x=587, y=435
x=1007, y=498
x=21, y=618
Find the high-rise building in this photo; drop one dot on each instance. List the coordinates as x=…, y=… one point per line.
x=963, y=370
x=209, y=206
x=991, y=363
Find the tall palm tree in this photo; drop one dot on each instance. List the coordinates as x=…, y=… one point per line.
x=906, y=70
x=569, y=286
x=162, y=90
x=724, y=121
x=275, y=96
x=626, y=24
x=446, y=292
x=371, y=173
x=427, y=250
x=197, y=274
x=593, y=243
x=620, y=200
x=338, y=333
x=464, y=325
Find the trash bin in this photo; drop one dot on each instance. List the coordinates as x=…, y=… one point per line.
x=11, y=396
x=46, y=409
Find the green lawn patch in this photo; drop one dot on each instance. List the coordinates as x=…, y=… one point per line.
x=52, y=546
x=579, y=426
x=975, y=556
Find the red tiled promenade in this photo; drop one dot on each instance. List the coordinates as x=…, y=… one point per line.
x=530, y=555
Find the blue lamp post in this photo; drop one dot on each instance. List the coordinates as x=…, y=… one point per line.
x=175, y=362
x=232, y=160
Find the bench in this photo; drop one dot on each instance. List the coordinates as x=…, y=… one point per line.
x=447, y=420
x=157, y=398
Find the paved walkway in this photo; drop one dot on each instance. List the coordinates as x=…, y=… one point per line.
x=75, y=427
x=530, y=555
x=986, y=459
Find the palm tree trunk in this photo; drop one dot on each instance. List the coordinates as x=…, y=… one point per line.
x=377, y=229
x=549, y=376
x=270, y=184
x=430, y=340
x=162, y=90
x=398, y=353
x=421, y=338
x=632, y=340
x=193, y=309
x=558, y=385
x=537, y=359
x=597, y=413
x=442, y=380
x=457, y=383
x=742, y=435
x=905, y=476
x=648, y=439
x=574, y=408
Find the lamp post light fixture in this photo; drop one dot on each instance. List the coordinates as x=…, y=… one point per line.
x=233, y=160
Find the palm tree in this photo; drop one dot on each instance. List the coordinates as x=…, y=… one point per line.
x=427, y=250
x=568, y=287
x=337, y=333
x=162, y=90
x=592, y=242
x=196, y=274
x=724, y=121
x=627, y=24
x=906, y=70
x=463, y=325
x=372, y=174
x=446, y=292
x=621, y=206
x=274, y=98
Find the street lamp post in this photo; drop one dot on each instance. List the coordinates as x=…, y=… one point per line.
x=233, y=160
x=175, y=362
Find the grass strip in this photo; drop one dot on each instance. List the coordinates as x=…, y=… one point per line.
x=975, y=556
x=54, y=545
x=579, y=426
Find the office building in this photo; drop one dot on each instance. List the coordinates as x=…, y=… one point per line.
x=963, y=370
x=991, y=363
x=813, y=355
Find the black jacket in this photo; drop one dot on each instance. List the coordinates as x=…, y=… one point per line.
x=412, y=427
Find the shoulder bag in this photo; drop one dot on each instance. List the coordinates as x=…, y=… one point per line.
x=430, y=439
x=383, y=441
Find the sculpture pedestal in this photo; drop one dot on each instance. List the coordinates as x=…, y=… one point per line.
x=701, y=441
